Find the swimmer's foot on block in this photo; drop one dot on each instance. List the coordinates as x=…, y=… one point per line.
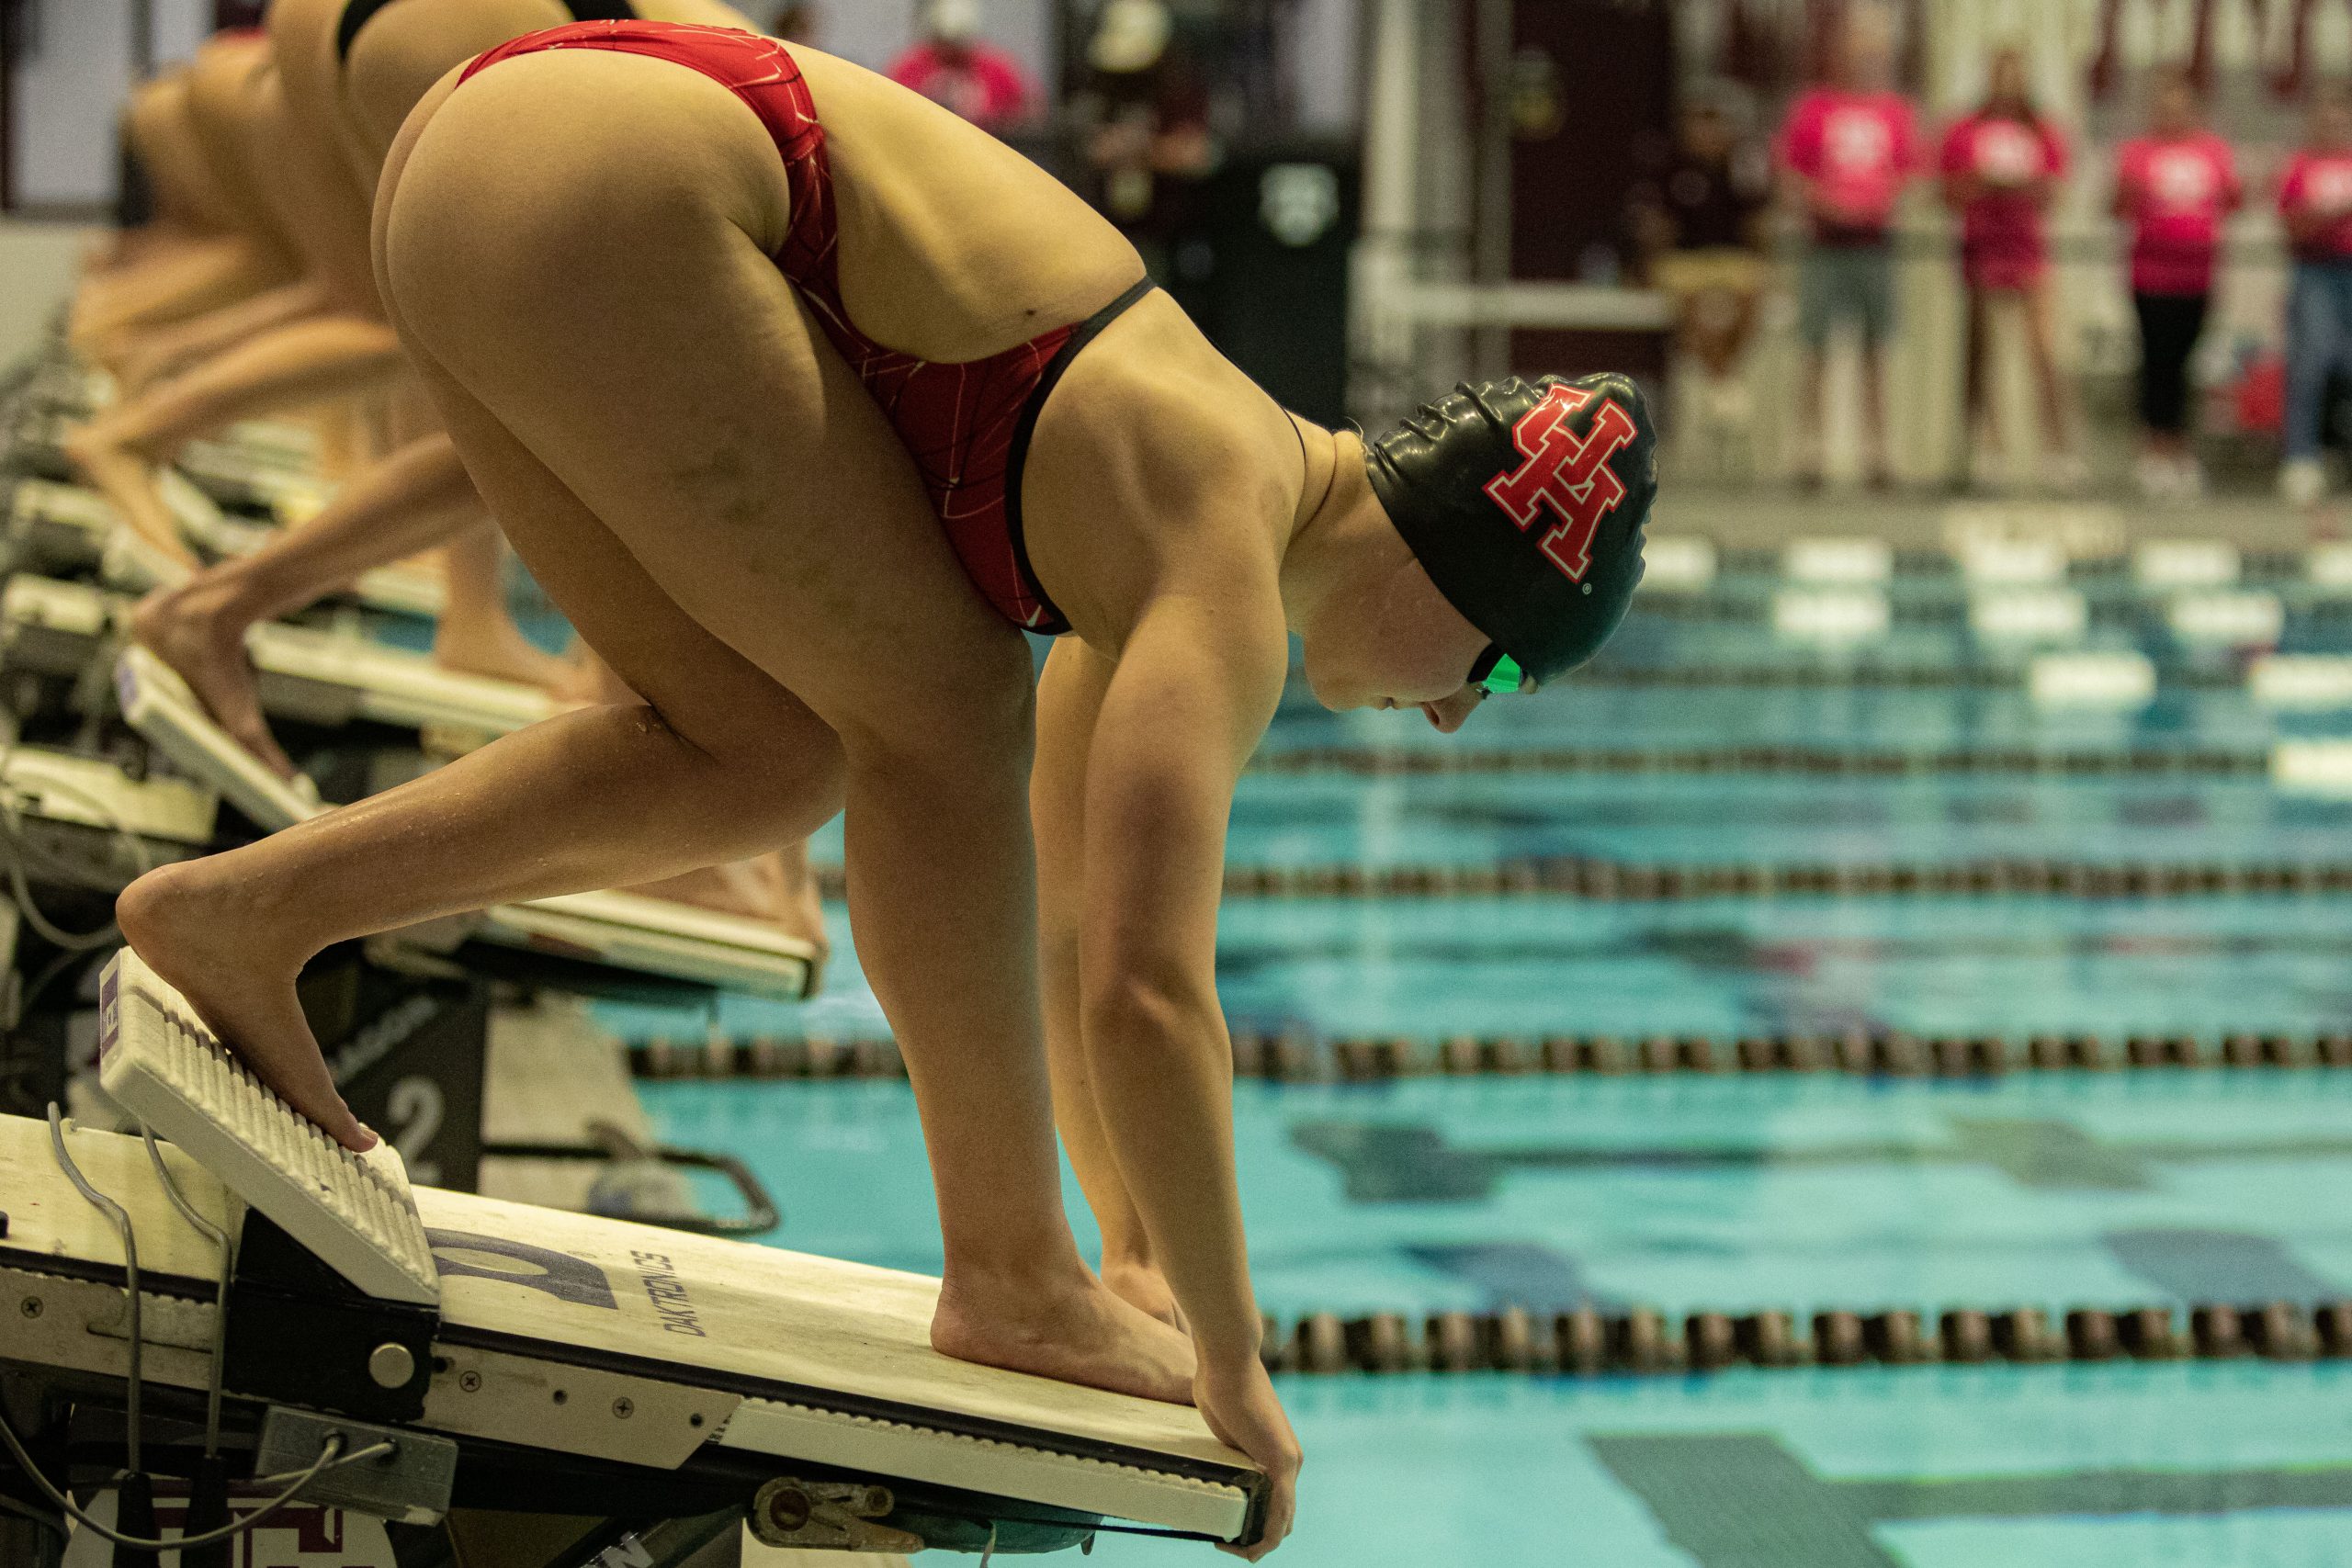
x=158, y=702
x=353, y=1211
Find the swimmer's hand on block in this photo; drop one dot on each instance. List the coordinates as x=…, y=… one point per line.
x=352, y=1211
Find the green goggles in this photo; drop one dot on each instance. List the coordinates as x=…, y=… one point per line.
x=1496, y=672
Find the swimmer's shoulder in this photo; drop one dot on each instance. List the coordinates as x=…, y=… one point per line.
x=1152, y=386
x=1157, y=459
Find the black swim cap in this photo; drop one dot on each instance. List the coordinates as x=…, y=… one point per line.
x=1525, y=505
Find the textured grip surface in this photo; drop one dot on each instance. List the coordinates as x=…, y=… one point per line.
x=353, y=1211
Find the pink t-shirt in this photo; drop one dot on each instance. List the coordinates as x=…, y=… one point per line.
x=2321, y=183
x=1857, y=148
x=2000, y=226
x=2177, y=191
x=982, y=84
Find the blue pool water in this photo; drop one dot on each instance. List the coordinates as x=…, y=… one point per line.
x=1740, y=1193
x=1685, y=1193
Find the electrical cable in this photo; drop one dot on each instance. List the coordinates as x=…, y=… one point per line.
x=330, y=1457
x=121, y=1221
x=26, y=1511
x=228, y=1249
x=361, y=1456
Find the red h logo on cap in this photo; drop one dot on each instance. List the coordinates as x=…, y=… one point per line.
x=1566, y=472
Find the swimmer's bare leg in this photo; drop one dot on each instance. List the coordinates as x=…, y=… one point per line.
x=1068, y=696
x=110, y=315
x=119, y=451
x=755, y=487
x=414, y=500
x=587, y=799
x=780, y=888
x=171, y=349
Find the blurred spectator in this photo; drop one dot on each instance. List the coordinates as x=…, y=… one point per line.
x=1848, y=150
x=1699, y=225
x=954, y=67
x=2001, y=167
x=1144, y=120
x=2315, y=199
x=2175, y=186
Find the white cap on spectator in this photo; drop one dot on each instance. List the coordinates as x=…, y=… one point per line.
x=1131, y=37
x=953, y=21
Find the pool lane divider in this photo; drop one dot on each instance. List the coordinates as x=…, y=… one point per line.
x=1645, y=1342
x=1846, y=669
x=1367, y=761
x=1604, y=881
x=1303, y=1059
x=1618, y=881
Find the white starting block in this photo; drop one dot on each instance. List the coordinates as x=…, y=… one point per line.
x=34, y=442
x=621, y=930
x=57, y=529
x=56, y=628
x=536, y=1342
x=129, y=563
x=84, y=829
x=2110, y=680
x=1678, y=563
x=2301, y=682
x=1831, y=615
x=66, y=385
x=65, y=531
x=2029, y=614
x=2330, y=567
x=1856, y=559
x=2186, y=563
x=58, y=786
x=201, y=521
x=352, y=1211
x=284, y=484
x=266, y=442
x=316, y=677
x=2235, y=620
x=2312, y=767
x=335, y=678
x=2007, y=562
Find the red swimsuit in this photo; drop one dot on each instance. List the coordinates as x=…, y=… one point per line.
x=967, y=427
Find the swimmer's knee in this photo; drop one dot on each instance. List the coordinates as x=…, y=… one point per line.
x=975, y=747
x=780, y=757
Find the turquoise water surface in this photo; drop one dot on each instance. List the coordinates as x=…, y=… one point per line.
x=1744, y=1192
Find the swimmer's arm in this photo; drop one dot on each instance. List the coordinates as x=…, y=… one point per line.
x=1195, y=686
x=1069, y=697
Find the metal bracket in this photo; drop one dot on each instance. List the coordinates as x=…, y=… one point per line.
x=411, y=1485
x=827, y=1516
x=297, y=1332
x=569, y=1409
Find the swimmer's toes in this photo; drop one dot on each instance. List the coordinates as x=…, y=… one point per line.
x=217, y=672
x=1099, y=1341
